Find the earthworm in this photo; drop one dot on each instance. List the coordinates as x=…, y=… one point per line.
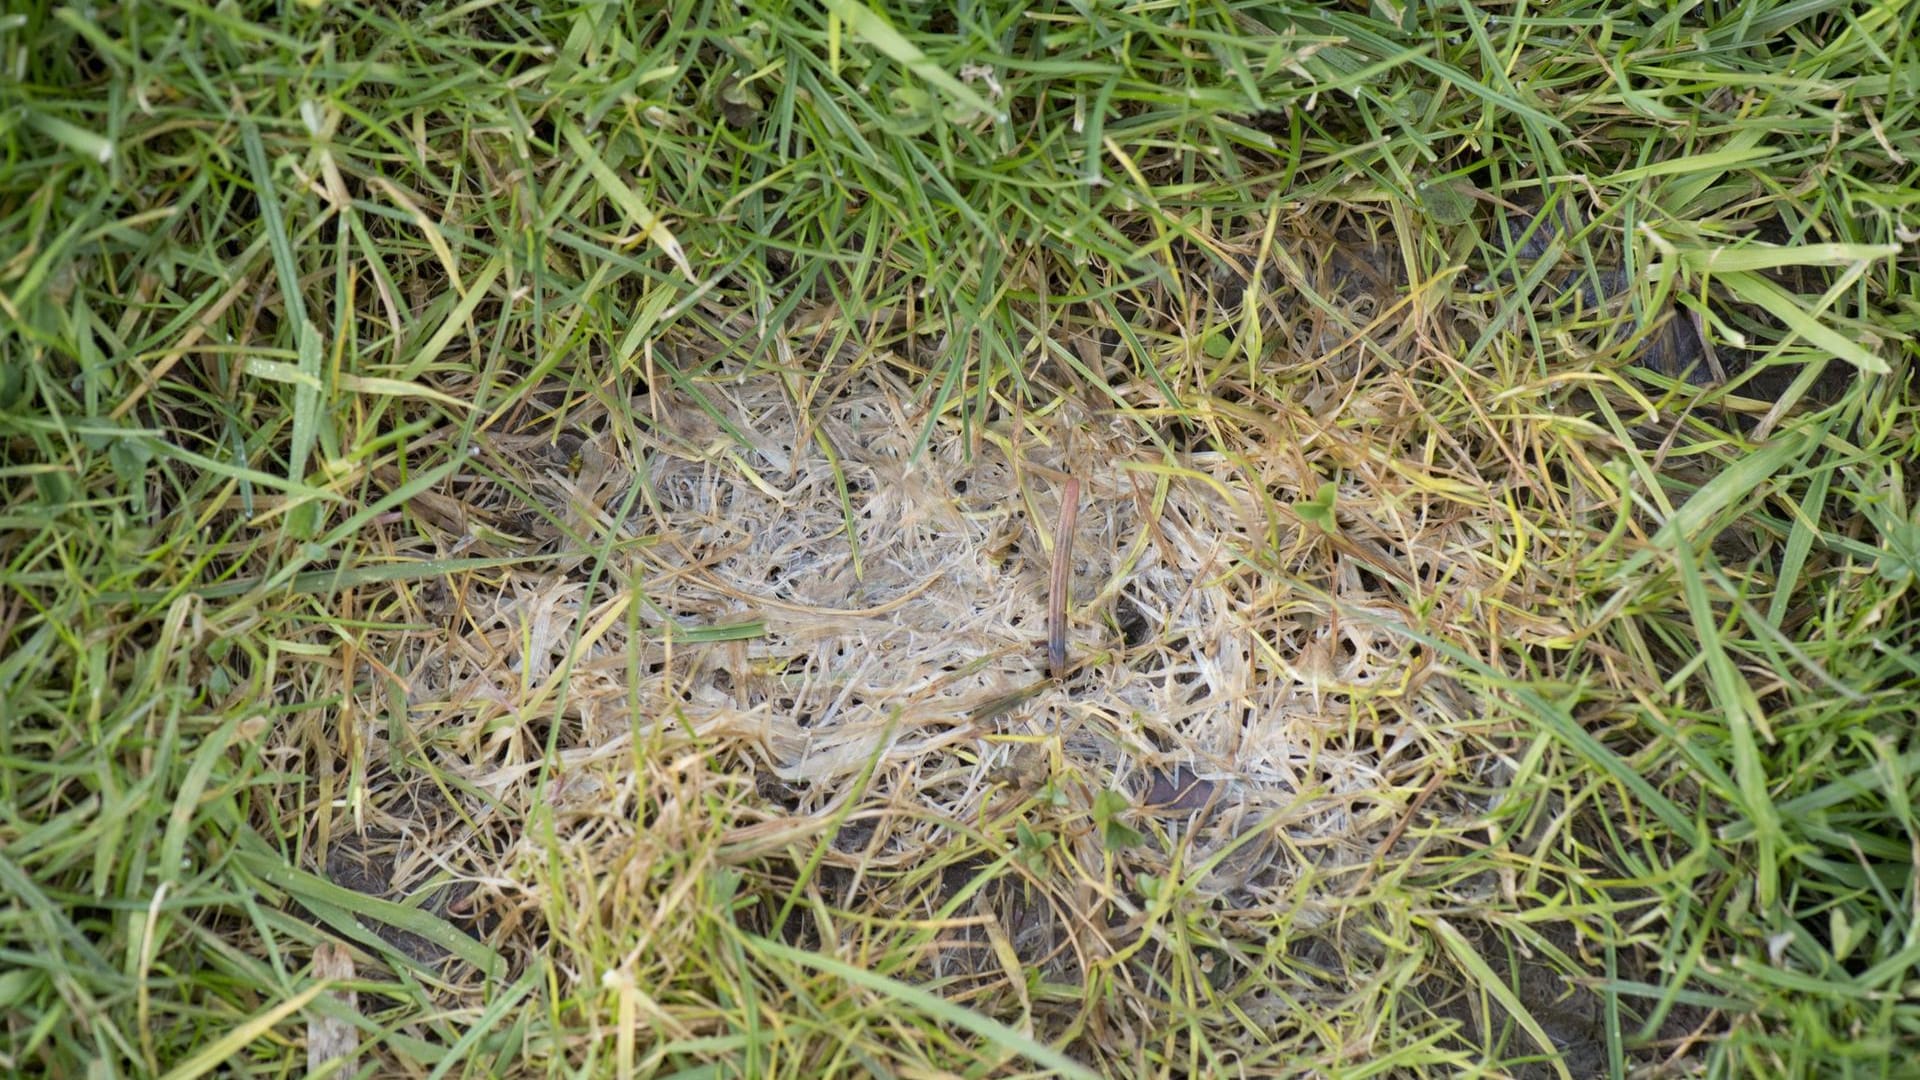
x=1062, y=578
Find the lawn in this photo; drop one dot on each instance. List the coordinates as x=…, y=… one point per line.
x=725, y=539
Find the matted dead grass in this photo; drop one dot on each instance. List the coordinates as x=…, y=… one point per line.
x=812, y=654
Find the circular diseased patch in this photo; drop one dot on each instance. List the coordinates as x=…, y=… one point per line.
x=902, y=608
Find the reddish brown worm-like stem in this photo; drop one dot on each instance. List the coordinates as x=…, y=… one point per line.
x=1062, y=578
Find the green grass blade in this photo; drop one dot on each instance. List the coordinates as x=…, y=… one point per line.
x=224, y=1049
x=928, y=1004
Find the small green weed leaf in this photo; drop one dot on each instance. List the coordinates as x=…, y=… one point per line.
x=1108, y=806
x=1318, y=511
x=912, y=111
x=54, y=486
x=1448, y=202
x=18, y=987
x=1217, y=344
x=742, y=94
x=1844, y=932
x=129, y=460
x=1033, y=847
x=1901, y=559
x=911, y=100
x=724, y=885
x=1151, y=887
